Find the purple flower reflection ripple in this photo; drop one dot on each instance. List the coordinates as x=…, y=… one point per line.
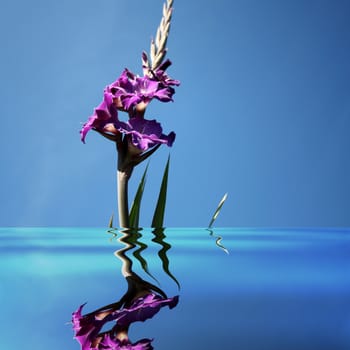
x=87, y=328
x=115, y=344
x=145, y=133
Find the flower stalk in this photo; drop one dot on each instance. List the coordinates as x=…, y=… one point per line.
x=136, y=138
x=123, y=202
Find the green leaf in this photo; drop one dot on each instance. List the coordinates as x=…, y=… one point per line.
x=217, y=211
x=134, y=215
x=158, y=216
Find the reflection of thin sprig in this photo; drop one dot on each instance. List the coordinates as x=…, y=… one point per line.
x=214, y=217
x=158, y=45
x=218, y=240
x=111, y=229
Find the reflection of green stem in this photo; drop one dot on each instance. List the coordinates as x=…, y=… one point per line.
x=130, y=240
x=121, y=253
x=137, y=287
x=126, y=165
x=159, y=238
x=123, y=175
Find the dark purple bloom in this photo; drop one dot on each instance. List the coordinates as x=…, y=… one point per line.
x=132, y=90
x=131, y=93
x=103, y=119
x=160, y=75
x=145, y=133
x=87, y=328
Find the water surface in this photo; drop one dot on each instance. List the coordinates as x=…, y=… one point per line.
x=275, y=289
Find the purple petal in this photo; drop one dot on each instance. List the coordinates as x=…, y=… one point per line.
x=145, y=133
x=144, y=126
x=169, y=138
x=142, y=309
x=105, y=113
x=129, y=100
x=87, y=127
x=115, y=344
x=132, y=89
x=165, y=95
x=162, y=77
x=86, y=328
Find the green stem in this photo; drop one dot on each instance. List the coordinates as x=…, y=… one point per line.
x=125, y=169
x=123, y=203
x=126, y=164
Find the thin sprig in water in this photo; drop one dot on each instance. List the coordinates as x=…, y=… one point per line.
x=211, y=232
x=217, y=211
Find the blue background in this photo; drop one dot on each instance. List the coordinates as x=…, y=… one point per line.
x=262, y=112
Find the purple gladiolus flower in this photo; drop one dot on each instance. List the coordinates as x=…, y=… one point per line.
x=145, y=133
x=87, y=328
x=131, y=93
x=103, y=119
x=132, y=90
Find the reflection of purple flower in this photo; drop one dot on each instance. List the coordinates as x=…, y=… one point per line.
x=115, y=344
x=87, y=328
x=142, y=309
x=105, y=116
x=145, y=133
x=132, y=90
